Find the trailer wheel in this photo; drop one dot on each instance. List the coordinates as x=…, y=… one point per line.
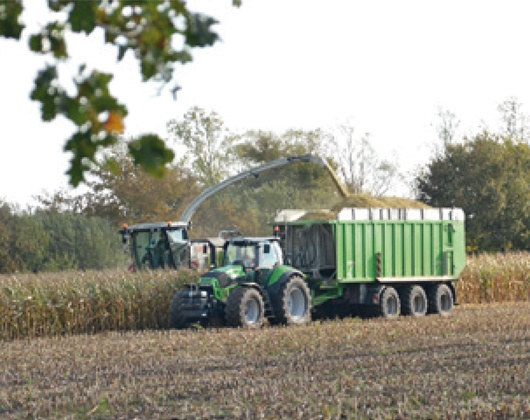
x=440, y=300
x=389, y=303
x=293, y=303
x=414, y=301
x=244, y=308
x=178, y=320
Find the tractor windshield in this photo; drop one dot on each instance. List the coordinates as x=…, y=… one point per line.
x=160, y=248
x=262, y=254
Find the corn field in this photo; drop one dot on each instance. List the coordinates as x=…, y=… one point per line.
x=55, y=304
x=502, y=277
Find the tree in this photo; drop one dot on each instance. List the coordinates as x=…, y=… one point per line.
x=447, y=127
x=360, y=167
x=487, y=176
x=7, y=223
x=148, y=29
x=121, y=192
x=515, y=122
x=300, y=185
x=29, y=243
x=208, y=144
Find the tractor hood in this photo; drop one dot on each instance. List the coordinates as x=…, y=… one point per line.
x=224, y=275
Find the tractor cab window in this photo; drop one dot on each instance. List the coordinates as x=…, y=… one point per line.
x=269, y=255
x=177, y=236
x=142, y=244
x=240, y=252
x=263, y=254
x=178, y=254
x=160, y=248
x=155, y=255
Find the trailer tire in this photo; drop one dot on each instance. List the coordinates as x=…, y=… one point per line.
x=389, y=303
x=440, y=299
x=178, y=320
x=293, y=302
x=413, y=300
x=244, y=308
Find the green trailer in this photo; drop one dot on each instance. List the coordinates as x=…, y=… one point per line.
x=383, y=262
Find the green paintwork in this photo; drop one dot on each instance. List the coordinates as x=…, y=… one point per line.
x=319, y=296
x=221, y=293
x=277, y=273
x=415, y=249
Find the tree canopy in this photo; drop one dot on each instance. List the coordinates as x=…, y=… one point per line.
x=147, y=29
x=488, y=176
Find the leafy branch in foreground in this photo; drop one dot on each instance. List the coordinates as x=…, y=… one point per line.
x=150, y=30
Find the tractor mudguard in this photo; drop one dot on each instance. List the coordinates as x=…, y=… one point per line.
x=279, y=276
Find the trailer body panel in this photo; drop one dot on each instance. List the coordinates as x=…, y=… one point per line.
x=379, y=245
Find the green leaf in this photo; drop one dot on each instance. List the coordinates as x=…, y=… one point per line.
x=35, y=43
x=10, y=12
x=151, y=153
x=121, y=51
x=83, y=16
x=198, y=33
x=46, y=94
x=81, y=145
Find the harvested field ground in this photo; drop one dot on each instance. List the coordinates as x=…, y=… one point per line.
x=473, y=364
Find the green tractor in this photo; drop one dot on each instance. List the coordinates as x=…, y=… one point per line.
x=252, y=285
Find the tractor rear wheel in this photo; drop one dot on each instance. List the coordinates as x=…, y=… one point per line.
x=178, y=320
x=244, y=308
x=389, y=303
x=293, y=303
x=413, y=301
x=440, y=299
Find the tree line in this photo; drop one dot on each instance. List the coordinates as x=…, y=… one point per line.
x=47, y=240
x=488, y=175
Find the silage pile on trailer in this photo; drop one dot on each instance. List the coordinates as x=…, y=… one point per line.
x=364, y=201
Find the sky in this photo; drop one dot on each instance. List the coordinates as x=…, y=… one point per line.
x=385, y=67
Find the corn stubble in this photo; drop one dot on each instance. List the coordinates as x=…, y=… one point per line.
x=473, y=364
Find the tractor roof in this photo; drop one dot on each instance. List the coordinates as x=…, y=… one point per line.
x=252, y=240
x=146, y=227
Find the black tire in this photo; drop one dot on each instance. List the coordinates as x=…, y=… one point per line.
x=413, y=301
x=178, y=320
x=293, y=302
x=440, y=299
x=389, y=303
x=244, y=308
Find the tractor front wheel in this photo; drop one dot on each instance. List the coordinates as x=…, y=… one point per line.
x=244, y=308
x=293, y=303
x=178, y=320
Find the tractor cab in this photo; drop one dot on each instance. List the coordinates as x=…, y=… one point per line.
x=253, y=253
x=245, y=260
x=157, y=245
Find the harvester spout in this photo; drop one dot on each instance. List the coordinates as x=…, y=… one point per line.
x=308, y=158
